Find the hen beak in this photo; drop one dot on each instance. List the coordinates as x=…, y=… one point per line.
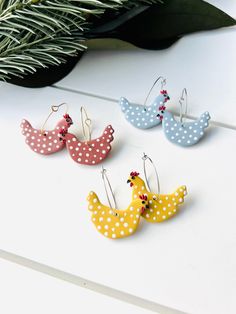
x=131, y=183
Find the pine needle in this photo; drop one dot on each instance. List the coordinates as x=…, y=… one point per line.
x=39, y=33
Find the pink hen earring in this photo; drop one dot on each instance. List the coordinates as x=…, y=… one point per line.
x=47, y=142
x=89, y=152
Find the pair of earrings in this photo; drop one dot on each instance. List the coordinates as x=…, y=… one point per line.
x=153, y=207
x=88, y=152
x=180, y=132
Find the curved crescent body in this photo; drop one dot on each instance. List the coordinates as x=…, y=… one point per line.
x=186, y=134
x=92, y=152
x=47, y=143
x=123, y=224
x=143, y=117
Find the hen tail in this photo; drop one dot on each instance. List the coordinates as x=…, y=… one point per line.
x=107, y=134
x=180, y=193
x=124, y=104
x=204, y=119
x=93, y=200
x=26, y=126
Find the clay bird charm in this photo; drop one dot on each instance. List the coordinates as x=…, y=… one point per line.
x=46, y=142
x=183, y=134
x=161, y=207
x=144, y=117
x=91, y=152
x=113, y=223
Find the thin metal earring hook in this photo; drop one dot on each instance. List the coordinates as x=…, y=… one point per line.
x=145, y=158
x=86, y=122
x=54, y=109
x=163, y=83
x=107, y=185
x=183, y=98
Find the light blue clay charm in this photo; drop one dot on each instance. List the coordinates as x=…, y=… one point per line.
x=183, y=133
x=141, y=116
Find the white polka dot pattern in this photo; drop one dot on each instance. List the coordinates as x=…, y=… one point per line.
x=47, y=143
x=143, y=117
x=91, y=152
x=161, y=207
x=186, y=134
x=115, y=223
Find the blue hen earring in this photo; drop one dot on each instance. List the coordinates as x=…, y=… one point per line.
x=180, y=132
x=143, y=116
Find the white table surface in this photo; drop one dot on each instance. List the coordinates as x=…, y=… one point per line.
x=26, y=291
x=187, y=263
x=170, y=263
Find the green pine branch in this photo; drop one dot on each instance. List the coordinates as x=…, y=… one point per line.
x=39, y=33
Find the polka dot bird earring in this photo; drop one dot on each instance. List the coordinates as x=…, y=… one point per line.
x=111, y=222
x=161, y=207
x=143, y=116
x=47, y=142
x=180, y=132
x=89, y=152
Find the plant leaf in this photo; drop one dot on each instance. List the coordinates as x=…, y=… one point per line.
x=160, y=25
x=45, y=77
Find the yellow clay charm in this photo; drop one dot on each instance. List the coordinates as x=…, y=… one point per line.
x=113, y=223
x=161, y=207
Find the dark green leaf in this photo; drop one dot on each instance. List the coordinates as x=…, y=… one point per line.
x=160, y=25
x=50, y=75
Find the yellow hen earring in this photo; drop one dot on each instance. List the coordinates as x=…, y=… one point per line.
x=111, y=222
x=161, y=207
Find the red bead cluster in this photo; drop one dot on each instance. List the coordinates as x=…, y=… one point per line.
x=62, y=132
x=143, y=197
x=164, y=92
x=134, y=174
x=68, y=119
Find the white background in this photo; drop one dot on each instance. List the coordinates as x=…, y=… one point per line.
x=187, y=263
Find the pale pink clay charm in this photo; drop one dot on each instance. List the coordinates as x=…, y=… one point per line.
x=46, y=142
x=91, y=152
